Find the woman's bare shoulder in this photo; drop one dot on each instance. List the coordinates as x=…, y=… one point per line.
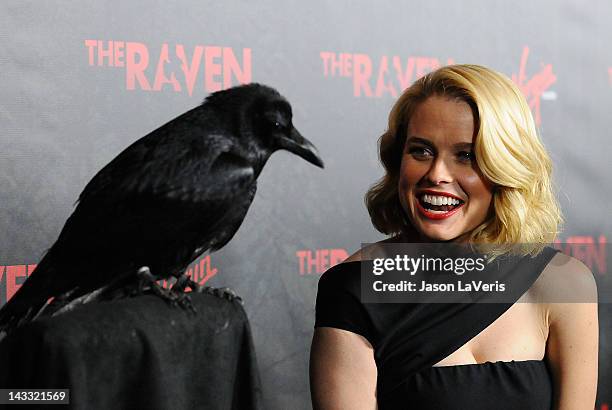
x=565, y=280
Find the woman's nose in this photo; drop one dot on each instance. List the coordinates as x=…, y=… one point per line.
x=440, y=172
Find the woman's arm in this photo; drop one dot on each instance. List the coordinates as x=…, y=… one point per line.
x=572, y=345
x=342, y=371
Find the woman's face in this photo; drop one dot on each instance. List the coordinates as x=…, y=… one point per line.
x=441, y=188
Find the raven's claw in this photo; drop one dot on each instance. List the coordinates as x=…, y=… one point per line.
x=226, y=293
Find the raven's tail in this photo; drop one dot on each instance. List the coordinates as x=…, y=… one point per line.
x=26, y=303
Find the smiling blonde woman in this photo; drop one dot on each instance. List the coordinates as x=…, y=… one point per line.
x=464, y=164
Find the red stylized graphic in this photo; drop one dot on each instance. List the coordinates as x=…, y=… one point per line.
x=200, y=271
x=389, y=77
x=219, y=64
x=14, y=276
x=534, y=87
x=320, y=260
x=604, y=406
x=587, y=250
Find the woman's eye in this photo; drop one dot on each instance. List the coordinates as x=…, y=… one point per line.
x=466, y=156
x=419, y=152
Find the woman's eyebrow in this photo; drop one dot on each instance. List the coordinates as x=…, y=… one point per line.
x=425, y=141
x=419, y=140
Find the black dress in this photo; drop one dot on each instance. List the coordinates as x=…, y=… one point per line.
x=410, y=338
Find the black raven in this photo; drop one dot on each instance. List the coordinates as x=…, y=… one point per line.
x=172, y=195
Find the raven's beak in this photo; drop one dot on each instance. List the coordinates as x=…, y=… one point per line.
x=302, y=147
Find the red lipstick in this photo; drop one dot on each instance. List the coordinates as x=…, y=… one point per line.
x=437, y=216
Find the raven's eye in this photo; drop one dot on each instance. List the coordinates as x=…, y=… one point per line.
x=273, y=122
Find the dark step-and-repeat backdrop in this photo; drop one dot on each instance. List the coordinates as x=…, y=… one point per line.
x=79, y=81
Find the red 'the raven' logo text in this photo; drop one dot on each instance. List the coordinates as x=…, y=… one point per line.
x=388, y=77
x=174, y=66
x=319, y=260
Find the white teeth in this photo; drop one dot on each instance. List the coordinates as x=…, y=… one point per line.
x=433, y=211
x=440, y=200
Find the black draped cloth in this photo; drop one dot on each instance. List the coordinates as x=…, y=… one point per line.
x=139, y=353
x=410, y=338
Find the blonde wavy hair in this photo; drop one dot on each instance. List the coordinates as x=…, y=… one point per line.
x=508, y=152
